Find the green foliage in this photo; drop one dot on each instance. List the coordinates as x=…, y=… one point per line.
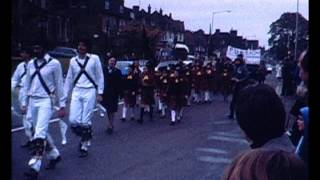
x=282, y=31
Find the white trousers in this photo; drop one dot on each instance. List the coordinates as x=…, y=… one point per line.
x=40, y=110
x=26, y=119
x=83, y=101
x=125, y=109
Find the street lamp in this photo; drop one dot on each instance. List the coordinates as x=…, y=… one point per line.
x=218, y=12
x=213, y=13
x=296, y=44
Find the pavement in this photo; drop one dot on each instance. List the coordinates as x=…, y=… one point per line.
x=199, y=148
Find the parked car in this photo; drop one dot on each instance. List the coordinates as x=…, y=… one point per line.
x=165, y=64
x=124, y=66
x=269, y=68
x=63, y=52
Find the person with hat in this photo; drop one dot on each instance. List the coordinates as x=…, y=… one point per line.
x=130, y=91
x=163, y=91
x=84, y=85
x=147, y=92
x=208, y=82
x=173, y=94
x=199, y=83
x=226, y=75
x=17, y=81
x=43, y=83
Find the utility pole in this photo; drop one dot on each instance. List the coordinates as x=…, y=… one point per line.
x=296, y=44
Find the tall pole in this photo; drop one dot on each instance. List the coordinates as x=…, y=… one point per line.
x=211, y=26
x=296, y=44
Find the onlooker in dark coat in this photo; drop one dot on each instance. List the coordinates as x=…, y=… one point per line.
x=261, y=115
x=112, y=91
x=240, y=78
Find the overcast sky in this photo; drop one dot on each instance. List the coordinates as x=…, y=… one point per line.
x=251, y=18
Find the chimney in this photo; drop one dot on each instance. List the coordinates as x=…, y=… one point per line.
x=135, y=9
x=170, y=15
x=149, y=9
x=233, y=33
x=160, y=11
x=217, y=31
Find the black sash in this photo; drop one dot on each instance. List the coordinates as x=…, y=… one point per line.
x=25, y=71
x=37, y=72
x=83, y=71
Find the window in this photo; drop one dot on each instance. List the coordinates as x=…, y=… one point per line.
x=132, y=15
x=121, y=9
x=106, y=4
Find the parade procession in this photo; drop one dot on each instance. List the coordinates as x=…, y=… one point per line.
x=103, y=91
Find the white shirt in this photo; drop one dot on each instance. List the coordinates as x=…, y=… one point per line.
x=94, y=70
x=51, y=74
x=16, y=79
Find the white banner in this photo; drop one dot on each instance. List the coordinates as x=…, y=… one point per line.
x=250, y=56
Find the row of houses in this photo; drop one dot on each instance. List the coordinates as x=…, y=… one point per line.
x=62, y=22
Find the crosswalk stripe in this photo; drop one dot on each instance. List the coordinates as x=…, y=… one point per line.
x=211, y=159
x=221, y=122
x=212, y=150
x=229, y=139
x=228, y=134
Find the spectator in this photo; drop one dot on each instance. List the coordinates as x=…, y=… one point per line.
x=262, y=72
x=240, y=77
x=303, y=122
x=263, y=164
x=302, y=100
x=261, y=115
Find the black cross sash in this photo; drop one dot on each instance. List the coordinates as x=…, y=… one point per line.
x=25, y=71
x=37, y=72
x=83, y=71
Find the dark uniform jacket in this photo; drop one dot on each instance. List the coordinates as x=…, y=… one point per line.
x=147, y=88
x=112, y=88
x=130, y=90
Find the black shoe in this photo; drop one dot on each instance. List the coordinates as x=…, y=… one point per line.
x=140, y=121
x=52, y=163
x=162, y=116
x=179, y=120
x=132, y=119
x=26, y=144
x=83, y=153
x=110, y=131
x=172, y=123
x=123, y=119
x=31, y=174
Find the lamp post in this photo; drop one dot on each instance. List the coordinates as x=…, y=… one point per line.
x=218, y=12
x=213, y=13
x=296, y=38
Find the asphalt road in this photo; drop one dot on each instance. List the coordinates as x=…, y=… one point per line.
x=199, y=148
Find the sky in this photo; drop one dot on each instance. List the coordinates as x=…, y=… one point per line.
x=251, y=18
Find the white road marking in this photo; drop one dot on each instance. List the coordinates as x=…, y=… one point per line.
x=229, y=139
x=228, y=134
x=212, y=150
x=214, y=159
x=222, y=122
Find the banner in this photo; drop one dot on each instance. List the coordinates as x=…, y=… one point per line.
x=250, y=56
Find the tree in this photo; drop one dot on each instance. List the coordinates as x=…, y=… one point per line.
x=139, y=39
x=282, y=40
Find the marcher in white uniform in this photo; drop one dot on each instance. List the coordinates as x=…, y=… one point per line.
x=17, y=80
x=85, y=80
x=43, y=80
